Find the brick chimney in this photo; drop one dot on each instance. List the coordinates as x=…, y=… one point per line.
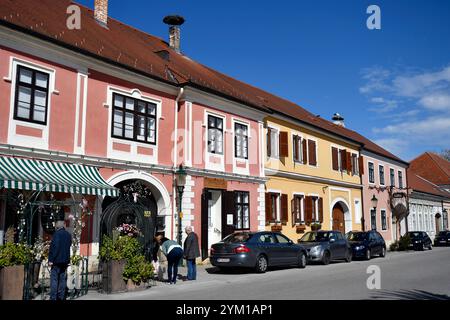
x=174, y=23
x=338, y=120
x=101, y=11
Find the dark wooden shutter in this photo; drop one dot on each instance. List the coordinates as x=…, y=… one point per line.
x=269, y=142
x=293, y=211
x=269, y=213
x=321, y=210
x=228, y=207
x=349, y=162
x=304, y=151
x=361, y=165
x=308, y=209
x=284, y=208
x=335, y=158
x=343, y=159
x=284, y=145
x=312, y=152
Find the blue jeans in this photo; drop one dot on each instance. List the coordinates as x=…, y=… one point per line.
x=191, y=269
x=173, y=259
x=58, y=279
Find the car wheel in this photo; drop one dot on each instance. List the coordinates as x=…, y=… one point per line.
x=430, y=247
x=423, y=247
x=261, y=264
x=383, y=252
x=302, y=260
x=368, y=254
x=349, y=256
x=326, y=258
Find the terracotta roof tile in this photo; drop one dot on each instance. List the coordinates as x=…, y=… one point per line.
x=419, y=183
x=432, y=167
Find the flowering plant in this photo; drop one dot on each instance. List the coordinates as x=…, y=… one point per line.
x=40, y=249
x=126, y=229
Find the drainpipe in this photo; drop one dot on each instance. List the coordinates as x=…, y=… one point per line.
x=175, y=153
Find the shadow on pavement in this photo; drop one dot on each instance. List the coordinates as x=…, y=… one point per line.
x=409, y=295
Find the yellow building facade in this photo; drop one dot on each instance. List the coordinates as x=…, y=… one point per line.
x=313, y=179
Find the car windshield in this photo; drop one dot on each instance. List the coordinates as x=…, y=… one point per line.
x=443, y=233
x=415, y=235
x=357, y=236
x=238, y=237
x=315, y=237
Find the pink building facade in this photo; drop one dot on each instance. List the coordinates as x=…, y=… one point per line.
x=384, y=195
x=60, y=106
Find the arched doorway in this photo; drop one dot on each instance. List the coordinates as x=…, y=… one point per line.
x=338, y=218
x=135, y=205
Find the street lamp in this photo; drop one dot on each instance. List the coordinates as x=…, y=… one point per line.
x=374, y=202
x=181, y=182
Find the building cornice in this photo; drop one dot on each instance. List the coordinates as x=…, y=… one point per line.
x=304, y=177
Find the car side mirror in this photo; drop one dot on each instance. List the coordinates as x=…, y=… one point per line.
x=291, y=242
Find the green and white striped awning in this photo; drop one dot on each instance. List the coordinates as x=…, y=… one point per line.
x=27, y=174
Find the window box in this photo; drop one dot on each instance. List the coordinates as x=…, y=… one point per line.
x=300, y=228
x=276, y=228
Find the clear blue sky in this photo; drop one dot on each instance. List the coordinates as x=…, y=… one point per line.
x=392, y=85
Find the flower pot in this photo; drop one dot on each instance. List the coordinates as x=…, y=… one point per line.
x=11, y=283
x=73, y=277
x=131, y=286
x=112, y=276
x=300, y=228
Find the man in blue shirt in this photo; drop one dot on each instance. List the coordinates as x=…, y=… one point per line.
x=58, y=260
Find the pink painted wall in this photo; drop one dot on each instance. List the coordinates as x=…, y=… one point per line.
x=61, y=135
x=97, y=116
x=200, y=131
x=370, y=189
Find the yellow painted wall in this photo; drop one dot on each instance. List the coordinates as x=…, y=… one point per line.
x=327, y=190
x=324, y=160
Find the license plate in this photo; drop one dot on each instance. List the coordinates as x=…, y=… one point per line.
x=223, y=260
x=443, y=241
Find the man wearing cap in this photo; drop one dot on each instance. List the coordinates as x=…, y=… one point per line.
x=59, y=259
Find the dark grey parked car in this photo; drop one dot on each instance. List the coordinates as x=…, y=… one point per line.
x=324, y=246
x=258, y=250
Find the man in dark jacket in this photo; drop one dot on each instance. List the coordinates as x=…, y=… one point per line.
x=191, y=252
x=59, y=259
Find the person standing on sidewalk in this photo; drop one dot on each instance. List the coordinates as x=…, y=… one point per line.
x=58, y=260
x=191, y=253
x=174, y=253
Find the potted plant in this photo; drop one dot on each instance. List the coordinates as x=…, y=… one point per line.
x=73, y=273
x=40, y=251
x=123, y=261
x=13, y=257
x=315, y=226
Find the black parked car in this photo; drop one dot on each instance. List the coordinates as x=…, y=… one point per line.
x=258, y=250
x=366, y=244
x=324, y=246
x=442, y=239
x=419, y=240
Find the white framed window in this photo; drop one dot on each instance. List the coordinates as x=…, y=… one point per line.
x=215, y=134
x=381, y=174
x=240, y=140
x=273, y=141
x=371, y=172
x=358, y=211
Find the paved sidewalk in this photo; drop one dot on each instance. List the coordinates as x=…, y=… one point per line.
x=404, y=275
x=202, y=277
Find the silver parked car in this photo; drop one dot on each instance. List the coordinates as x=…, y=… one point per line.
x=325, y=246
